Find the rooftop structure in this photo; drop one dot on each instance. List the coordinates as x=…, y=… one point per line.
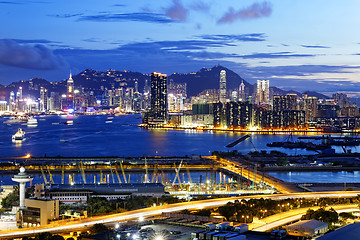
x=307, y=228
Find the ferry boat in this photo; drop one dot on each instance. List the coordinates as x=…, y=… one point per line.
x=15, y=120
x=19, y=135
x=69, y=122
x=32, y=121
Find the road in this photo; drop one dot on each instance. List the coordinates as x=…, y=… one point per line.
x=152, y=211
x=237, y=168
x=289, y=216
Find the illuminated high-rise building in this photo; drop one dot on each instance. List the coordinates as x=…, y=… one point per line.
x=20, y=93
x=70, y=93
x=12, y=104
x=136, y=86
x=43, y=99
x=281, y=103
x=241, y=95
x=262, y=92
x=222, y=86
x=158, y=97
x=310, y=107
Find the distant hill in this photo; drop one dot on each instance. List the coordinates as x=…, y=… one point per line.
x=316, y=94
x=98, y=81
x=209, y=79
x=92, y=80
x=278, y=91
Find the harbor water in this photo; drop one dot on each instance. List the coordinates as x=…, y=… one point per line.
x=121, y=136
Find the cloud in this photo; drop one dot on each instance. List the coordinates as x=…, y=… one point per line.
x=26, y=56
x=92, y=40
x=314, y=46
x=252, y=37
x=257, y=10
x=173, y=46
x=66, y=15
x=138, y=17
x=177, y=11
x=301, y=70
x=276, y=55
x=119, y=5
x=9, y=2
x=42, y=41
x=200, y=6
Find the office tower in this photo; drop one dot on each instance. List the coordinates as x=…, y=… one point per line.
x=342, y=100
x=43, y=99
x=136, y=86
x=20, y=93
x=281, y=103
x=70, y=92
x=222, y=86
x=310, y=107
x=239, y=114
x=158, y=97
x=262, y=92
x=242, y=96
x=12, y=101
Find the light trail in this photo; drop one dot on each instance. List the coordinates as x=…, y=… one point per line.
x=153, y=211
x=280, y=219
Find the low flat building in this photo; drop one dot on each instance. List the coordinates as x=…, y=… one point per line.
x=39, y=212
x=307, y=228
x=67, y=193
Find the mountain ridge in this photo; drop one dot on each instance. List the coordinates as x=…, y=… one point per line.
x=97, y=81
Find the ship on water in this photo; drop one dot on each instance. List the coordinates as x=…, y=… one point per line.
x=18, y=136
x=16, y=119
x=32, y=122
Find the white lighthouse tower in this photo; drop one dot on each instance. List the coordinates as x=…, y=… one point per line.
x=22, y=178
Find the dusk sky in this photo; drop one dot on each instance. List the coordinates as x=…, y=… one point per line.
x=297, y=44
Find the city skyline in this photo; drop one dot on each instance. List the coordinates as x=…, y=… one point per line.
x=257, y=39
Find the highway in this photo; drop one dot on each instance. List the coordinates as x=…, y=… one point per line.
x=237, y=168
x=152, y=211
x=280, y=219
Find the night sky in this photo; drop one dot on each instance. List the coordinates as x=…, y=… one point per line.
x=297, y=44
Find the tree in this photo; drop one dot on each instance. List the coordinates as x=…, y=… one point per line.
x=330, y=216
x=98, y=228
x=227, y=211
x=185, y=211
x=43, y=236
x=346, y=215
x=204, y=212
x=57, y=237
x=10, y=200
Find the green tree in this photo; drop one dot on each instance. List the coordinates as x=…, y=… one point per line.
x=43, y=236
x=185, y=211
x=204, y=212
x=57, y=237
x=10, y=200
x=227, y=211
x=345, y=215
x=330, y=216
x=98, y=228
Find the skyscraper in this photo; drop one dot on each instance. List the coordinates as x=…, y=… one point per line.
x=310, y=107
x=241, y=95
x=43, y=99
x=70, y=92
x=262, y=92
x=158, y=97
x=222, y=86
